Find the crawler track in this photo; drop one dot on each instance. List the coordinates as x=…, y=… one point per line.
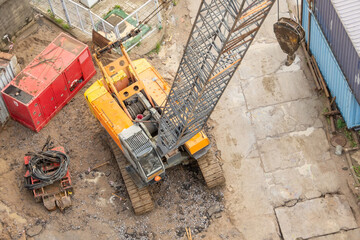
x=140, y=198
x=211, y=170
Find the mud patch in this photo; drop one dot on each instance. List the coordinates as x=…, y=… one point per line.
x=269, y=84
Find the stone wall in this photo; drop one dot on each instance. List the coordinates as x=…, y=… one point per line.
x=14, y=14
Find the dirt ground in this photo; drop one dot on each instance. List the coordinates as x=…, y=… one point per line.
x=181, y=200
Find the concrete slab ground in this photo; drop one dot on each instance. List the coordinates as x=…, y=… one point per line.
x=278, y=163
x=343, y=235
x=318, y=217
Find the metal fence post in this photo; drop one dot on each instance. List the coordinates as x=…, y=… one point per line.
x=81, y=23
x=66, y=12
x=51, y=7
x=117, y=33
x=92, y=20
x=158, y=14
x=103, y=24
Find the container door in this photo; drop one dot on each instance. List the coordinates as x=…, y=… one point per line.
x=73, y=75
x=60, y=90
x=47, y=102
x=87, y=65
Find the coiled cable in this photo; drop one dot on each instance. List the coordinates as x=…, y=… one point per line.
x=38, y=164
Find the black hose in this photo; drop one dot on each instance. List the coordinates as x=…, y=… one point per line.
x=37, y=170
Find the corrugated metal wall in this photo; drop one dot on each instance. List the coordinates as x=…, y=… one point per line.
x=343, y=48
x=7, y=73
x=330, y=69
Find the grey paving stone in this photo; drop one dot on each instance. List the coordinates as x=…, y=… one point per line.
x=275, y=88
x=315, y=217
x=294, y=149
x=344, y=235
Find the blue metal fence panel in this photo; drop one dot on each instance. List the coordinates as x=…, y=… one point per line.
x=329, y=67
x=340, y=23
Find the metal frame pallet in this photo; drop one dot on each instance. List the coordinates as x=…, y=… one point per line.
x=51, y=199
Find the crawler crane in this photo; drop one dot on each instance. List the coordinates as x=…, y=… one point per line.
x=156, y=126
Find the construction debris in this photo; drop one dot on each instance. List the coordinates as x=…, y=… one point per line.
x=97, y=166
x=188, y=233
x=47, y=175
x=34, y=230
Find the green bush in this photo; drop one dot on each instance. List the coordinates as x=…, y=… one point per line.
x=340, y=123
x=65, y=26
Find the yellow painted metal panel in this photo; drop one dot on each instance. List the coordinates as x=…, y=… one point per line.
x=153, y=82
x=197, y=142
x=94, y=91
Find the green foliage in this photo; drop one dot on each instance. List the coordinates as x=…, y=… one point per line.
x=357, y=171
x=59, y=21
x=350, y=138
x=51, y=14
x=328, y=120
x=340, y=123
x=65, y=26
x=157, y=47
x=115, y=7
x=174, y=2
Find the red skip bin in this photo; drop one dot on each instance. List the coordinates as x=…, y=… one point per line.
x=49, y=82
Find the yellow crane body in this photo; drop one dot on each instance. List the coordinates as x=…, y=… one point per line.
x=112, y=116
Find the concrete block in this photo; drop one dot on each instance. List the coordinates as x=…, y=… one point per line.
x=262, y=59
x=237, y=138
x=344, y=235
x=276, y=88
x=259, y=228
x=294, y=149
x=286, y=117
x=315, y=217
x=307, y=181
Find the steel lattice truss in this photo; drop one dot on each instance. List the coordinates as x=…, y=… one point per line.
x=220, y=37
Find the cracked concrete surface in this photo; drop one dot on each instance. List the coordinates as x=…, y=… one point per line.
x=318, y=217
x=276, y=156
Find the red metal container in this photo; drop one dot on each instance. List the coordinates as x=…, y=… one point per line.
x=49, y=82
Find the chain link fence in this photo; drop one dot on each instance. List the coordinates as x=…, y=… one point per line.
x=76, y=15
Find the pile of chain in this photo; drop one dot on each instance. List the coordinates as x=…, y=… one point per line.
x=40, y=161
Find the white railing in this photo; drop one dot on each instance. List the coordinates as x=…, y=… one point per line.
x=135, y=17
x=75, y=15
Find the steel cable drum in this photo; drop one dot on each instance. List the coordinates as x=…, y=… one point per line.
x=38, y=167
x=289, y=35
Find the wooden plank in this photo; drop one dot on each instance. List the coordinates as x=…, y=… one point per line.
x=332, y=100
x=331, y=117
x=331, y=113
x=318, y=87
x=309, y=25
x=322, y=81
